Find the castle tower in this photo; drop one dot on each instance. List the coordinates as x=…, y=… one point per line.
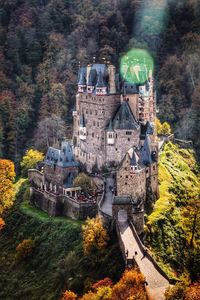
x=112, y=84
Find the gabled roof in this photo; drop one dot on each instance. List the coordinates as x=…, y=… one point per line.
x=146, y=152
x=61, y=157
x=124, y=118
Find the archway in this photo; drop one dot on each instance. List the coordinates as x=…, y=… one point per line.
x=122, y=215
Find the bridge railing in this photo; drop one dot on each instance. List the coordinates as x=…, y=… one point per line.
x=149, y=256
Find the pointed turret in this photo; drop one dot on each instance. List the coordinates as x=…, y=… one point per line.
x=146, y=152
x=82, y=80
x=91, y=81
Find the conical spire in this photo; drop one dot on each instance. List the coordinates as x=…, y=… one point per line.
x=134, y=159
x=110, y=127
x=146, y=152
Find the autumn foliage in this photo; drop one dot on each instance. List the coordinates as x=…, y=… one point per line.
x=7, y=175
x=68, y=295
x=25, y=249
x=129, y=287
x=2, y=224
x=104, y=282
x=94, y=235
x=30, y=160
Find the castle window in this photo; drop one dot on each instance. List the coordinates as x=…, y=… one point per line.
x=86, y=97
x=99, y=99
x=116, y=149
x=94, y=123
x=86, y=111
x=128, y=132
x=126, y=176
x=93, y=134
x=147, y=171
x=116, y=135
x=126, y=183
x=90, y=112
x=128, y=139
x=96, y=112
x=154, y=167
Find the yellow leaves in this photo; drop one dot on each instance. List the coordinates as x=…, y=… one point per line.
x=163, y=129
x=2, y=224
x=7, y=175
x=94, y=235
x=30, y=160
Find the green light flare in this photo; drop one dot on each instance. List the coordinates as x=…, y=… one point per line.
x=136, y=66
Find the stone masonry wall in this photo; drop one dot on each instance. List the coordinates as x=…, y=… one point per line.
x=131, y=183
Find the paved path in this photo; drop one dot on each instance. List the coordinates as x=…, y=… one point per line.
x=107, y=204
x=157, y=284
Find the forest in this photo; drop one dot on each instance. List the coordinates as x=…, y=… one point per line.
x=43, y=42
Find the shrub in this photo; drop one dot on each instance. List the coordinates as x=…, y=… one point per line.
x=24, y=249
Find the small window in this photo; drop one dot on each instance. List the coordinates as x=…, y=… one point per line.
x=126, y=183
x=128, y=139
x=126, y=176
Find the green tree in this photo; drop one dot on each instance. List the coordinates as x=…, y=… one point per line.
x=84, y=181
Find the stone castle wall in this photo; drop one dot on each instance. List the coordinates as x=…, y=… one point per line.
x=59, y=205
x=124, y=140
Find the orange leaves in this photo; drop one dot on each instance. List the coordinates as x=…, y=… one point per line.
x=193, y=292
x=68, y=295
x=2, y=224
x=130, y=286
x=7, y=175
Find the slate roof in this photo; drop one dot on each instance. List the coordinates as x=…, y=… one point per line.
x=146, y=129
x=82, y=76
x=131, y=88
x=121, y=200
x=124, y=118
x=146, y=157
x=110, y=126
x=92, y=80
x=61, y=157
x=100, y=80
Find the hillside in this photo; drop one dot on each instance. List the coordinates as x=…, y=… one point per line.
x=42, y=42
x=173, y=226
x=57, y=262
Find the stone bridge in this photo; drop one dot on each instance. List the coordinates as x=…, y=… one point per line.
x=133, y=251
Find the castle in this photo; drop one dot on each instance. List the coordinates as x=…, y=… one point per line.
x=114, y=124
x=113, y=128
